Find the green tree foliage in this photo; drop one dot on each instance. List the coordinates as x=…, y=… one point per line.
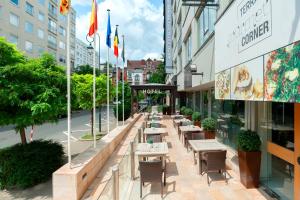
x=32, y=93
x=9, y=55
x=127, y=101
x=159, y=76
x=86, y=69
x=83, y=90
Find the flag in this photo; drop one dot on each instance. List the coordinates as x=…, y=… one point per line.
x=123, y=50
x=108, y=32
x=93, y=20
x=64, y=6
x=116, y=43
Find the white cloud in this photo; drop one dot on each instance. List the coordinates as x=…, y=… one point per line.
x=139, y=20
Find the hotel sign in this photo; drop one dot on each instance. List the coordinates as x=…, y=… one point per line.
x=256, y=48
x=168, y=37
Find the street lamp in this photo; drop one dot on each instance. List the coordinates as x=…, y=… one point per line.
x=90, y=49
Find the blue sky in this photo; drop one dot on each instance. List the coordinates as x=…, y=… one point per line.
x=141, y=21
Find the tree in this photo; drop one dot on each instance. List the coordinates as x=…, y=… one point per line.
x=85, y=69
x=83, y=90
x=32, y=93
x=127, y=101
x=9, y=55
x=159, y=76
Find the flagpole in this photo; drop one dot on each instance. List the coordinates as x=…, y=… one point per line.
x=107, y=72
x=69, y=90
x=94, y=91
x=123, y=79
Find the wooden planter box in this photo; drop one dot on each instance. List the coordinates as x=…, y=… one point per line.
x=210, y=134
x=197, y=123
x=249, y=163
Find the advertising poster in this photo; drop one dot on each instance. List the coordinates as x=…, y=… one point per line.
x=222, y=85
x=247, y=81
x=282, y=80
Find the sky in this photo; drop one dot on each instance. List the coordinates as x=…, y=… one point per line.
x=140, y=21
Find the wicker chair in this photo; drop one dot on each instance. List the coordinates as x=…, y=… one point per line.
x=214, y=161
x=155, y=125
x=152, y=171
x=193, y=136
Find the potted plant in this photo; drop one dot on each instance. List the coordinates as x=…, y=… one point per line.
x=182, y=109
x=196, y=117
x=249, y=155
x=209, y=127
x=166, y=110
x=188, y=113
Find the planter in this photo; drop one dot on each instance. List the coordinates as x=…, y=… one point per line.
x=249, y=163
x=210, y=134
x=197, y=123
x=189, y=117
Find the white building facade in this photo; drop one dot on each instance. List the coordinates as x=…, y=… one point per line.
x=83, y=56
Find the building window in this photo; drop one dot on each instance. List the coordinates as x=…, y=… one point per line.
x=62, y=45
x=14, y=19
x=137, y=78
x=52, y=9
x=40, y=33
x=206, y=23
x=29, y=8
x=28, y=27
x=41, y=16
x=62, y=31
x=13, y=39
x=188, y=45
x=40, y=50
x=62, y=18
x=16, y=2
x=52, y=41
x=52, y=25
x=1, y=11
x=42, y=2
x=28, y=46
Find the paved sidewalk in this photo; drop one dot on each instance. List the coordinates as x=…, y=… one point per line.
x=185, y=183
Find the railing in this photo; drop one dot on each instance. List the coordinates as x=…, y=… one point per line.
x=122, y=174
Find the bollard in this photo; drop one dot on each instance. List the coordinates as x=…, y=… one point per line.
x=132, y=162
x=115, y=176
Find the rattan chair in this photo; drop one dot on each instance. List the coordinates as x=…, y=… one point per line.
x=152, y=171
x=214, y=161
x=155, y=125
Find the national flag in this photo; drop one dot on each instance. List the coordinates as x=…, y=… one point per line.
x=64, y=6
x=108, y=32
x=123, y=50
x=116, y=43
x=93, y=20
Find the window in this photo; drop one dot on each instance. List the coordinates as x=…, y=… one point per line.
x=29, y=8
x=40, y=50
x=40, y=33
x=52, y=41
x=13, y=39
x=42, y=2
x=62, y=18
x=62, y=45
x=62, y=31
x=13, y=19
x=206, y=24
x=1, y=11
x=41, y=16
x=16, y=2
x=189, y=48
x=52, y=25
x=52, y=9
x=28, y=46
x=137, y=78
x=28, y=27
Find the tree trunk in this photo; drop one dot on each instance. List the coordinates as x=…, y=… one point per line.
x=23, y=136
x=92, y=122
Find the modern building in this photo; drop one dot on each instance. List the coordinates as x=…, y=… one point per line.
x=36, y=26
x=139, y=71
x=83, y=56
x=238, y=62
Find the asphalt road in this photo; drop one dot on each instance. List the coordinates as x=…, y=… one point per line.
x=57, y=131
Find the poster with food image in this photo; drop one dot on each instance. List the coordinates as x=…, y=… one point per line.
x=222, y=85
x=247, y=81
x=281, y=78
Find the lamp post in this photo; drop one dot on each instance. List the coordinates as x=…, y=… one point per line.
x=90, y=49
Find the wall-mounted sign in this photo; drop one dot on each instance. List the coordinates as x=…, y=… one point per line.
x=151, y=91
x=168, y=37
x=257, y=41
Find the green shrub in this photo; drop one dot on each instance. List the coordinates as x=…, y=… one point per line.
x=127, y=111
x=196, y=116
x=26, y=165
x=209, y=124
x=188, y=111
x=248, y=141
x=160, y=108
x=182, y=109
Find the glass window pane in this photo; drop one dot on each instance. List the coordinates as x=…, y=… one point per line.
x=28, y=46
x=14, y=19
x=41, y=16
x=13, y=39
x=28, y=27
x=29, y=8
x=16, y=2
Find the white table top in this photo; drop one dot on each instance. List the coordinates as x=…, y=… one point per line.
x=177, y=121
x=190, y=128
x=149, y=131
x=153, y=121
x=155, y=149
x=207, y=145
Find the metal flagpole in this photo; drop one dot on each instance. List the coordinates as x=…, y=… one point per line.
x=94, y=91
x=69, y=89
x=107, y=74
x=123, y=79
x=117, y=92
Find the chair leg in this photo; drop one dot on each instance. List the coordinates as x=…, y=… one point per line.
x=207, y=179
x=225, y=172
x=141, y=189
x=161, y=189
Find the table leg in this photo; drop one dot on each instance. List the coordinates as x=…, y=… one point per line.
x=200, y=163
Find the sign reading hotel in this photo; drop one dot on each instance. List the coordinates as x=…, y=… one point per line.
x=257, y=53
x=168, y=37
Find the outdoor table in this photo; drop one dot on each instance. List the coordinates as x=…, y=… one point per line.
x=155, y=131
x=189, y=129
x=200, y=146
x=153, y=121
x=176, y=116
x=144, y=150
x=157, y=116
x=177, y=122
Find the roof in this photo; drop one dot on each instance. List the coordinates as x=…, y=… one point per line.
x=141, y=64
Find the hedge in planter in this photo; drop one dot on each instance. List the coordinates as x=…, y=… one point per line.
x=188, y=113
x=196, y=117
x=182, y=109
x=26, y=165
x=127, y=111
x=209, y=127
